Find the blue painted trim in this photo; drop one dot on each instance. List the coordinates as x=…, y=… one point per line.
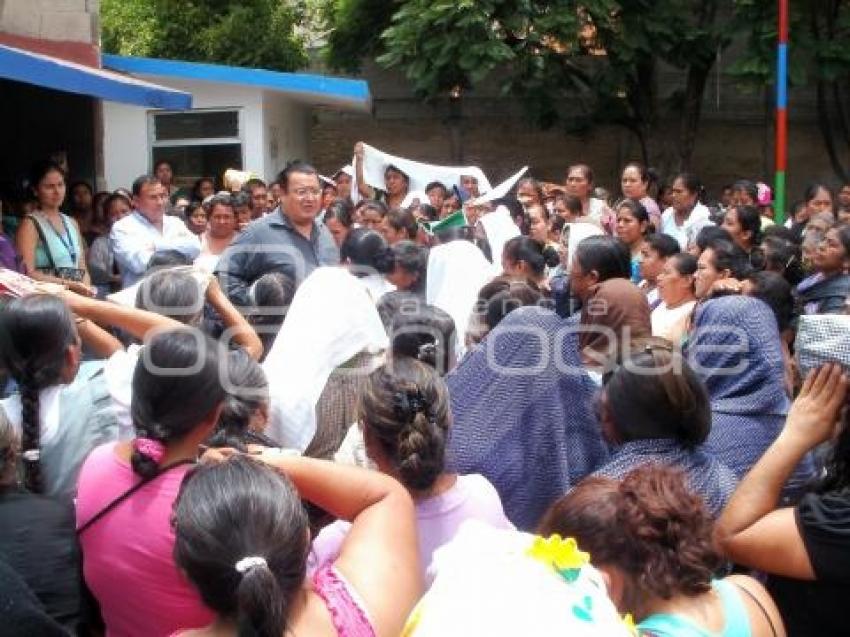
x=782, y=76
x=55, y=73
x=334, y=89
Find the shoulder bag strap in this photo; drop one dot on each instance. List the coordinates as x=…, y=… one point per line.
x=43, y=238
x=121, y=498
x=763, y=610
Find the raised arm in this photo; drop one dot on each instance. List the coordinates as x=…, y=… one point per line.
x=236, y=325
x=363, y=188
x=751, y=531
x=380, y=556
x=135, y=322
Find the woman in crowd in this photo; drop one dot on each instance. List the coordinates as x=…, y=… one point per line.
x=245, y=413
x=651, y=536
x=654, y=409
x=614, y=311
x=529, y=192
x=810, y=582
x=372, y=214
x=743, y=223
x=219, y=232
x=127, y=489
x=254, y=576
x=707, y=234
x=399, y=225
x=496, y=300
x=81, y=207
x=62, y=408
x=457, y=294
x=670, y=320
x=636, y=183
x=318, y=363
x=580, y=184
x=102, y=266
x=685, y=211
x=522, y=413
x=735, y=348
x=49, y=242
x=410, y=267
x=203, y=188
x=817, y=198
x=826, y=291
x=633, y=225
x=339, y=220
x=196, y=218
x=538, y=224
x=404, y=416
x=782, y=256
x=654, y=252
x=527, y=259
x=721, y=259
x=368, y=257
x=37, y=539
x=569, y=208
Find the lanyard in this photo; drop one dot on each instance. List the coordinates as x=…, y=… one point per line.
x=69, y=246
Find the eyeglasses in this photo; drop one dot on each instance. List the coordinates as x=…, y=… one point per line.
x=304, y=193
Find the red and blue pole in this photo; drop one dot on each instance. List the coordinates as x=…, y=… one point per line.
x=781, y=113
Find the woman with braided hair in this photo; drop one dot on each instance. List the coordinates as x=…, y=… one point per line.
x=405, y=415
x=62, y=407
x=127, y=489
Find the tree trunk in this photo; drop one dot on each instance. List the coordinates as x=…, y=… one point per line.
x=827, y=132
x=692, y=109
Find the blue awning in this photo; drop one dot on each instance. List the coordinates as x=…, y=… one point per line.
x=306, y=87
x=62, y=75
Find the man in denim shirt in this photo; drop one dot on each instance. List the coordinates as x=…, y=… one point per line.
x=288, y=240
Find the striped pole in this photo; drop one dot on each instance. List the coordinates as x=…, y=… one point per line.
x=781, y=113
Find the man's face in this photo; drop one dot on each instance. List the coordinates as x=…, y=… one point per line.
x=151, y=201
x=302, y=198
x=259, y=200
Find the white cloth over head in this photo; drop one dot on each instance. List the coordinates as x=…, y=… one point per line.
x=488, y=584
x=456, y=272
x=578, y=232
x=499, y=228
x=375, y=163
x=331, y=319
x=499, y=191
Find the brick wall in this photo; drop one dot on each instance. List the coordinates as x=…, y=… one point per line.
x=735, y=137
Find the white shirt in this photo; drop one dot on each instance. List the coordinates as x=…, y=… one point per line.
x=698, y=217
x=134, y=241
x=671, y=323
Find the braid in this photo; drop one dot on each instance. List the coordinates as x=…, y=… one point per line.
x=31, y=434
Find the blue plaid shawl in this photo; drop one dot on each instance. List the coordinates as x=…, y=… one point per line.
x=707, y=476
x=523, y=413
x=734, y=347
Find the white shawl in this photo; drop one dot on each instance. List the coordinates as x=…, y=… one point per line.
x=332, y=318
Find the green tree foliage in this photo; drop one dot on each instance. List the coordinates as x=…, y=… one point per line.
x=251, y=33
x=818, y=56
x=571, y=63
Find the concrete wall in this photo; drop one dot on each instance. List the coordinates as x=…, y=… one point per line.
x=60, y=20
x=126, y=146
x=286, y=126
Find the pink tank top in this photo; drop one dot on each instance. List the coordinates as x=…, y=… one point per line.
x=347, y=613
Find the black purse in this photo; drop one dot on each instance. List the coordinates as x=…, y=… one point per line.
x=67, y=274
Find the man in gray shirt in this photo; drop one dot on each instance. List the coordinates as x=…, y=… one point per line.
x=288, y=240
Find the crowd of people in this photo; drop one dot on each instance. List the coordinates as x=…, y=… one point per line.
x=330, y=406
